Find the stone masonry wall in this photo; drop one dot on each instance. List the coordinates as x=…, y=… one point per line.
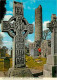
x=45, y=48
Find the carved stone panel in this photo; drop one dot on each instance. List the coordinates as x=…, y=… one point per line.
x=19, y=51
x=18, y=11
x=55, y=40
x=5, y=26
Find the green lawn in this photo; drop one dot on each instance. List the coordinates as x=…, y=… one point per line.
x=35, y=63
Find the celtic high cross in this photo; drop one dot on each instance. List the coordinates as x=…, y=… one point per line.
x=18, y=28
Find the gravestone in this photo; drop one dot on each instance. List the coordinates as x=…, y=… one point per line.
x=45, y=48
x=50, y=68
x=33, y=48
x=18, y=28
x=6, y=63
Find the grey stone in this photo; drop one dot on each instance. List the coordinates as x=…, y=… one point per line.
x=52, y=60
x=18, y=28
x=38, y=33
x=50, y=68
x=45, y=48
x=50, y=71
x=47, y=73
x=19, y=72
x=33, y=48
x=38, y=23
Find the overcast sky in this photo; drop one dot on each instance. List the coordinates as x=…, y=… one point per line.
x=48, y=8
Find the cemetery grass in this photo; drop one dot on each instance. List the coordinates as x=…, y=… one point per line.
x=35, y=63
x=30, y=63
x=3, y=66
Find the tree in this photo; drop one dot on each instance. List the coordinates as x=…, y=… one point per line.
x=1, y=38
x=7, y=55
x=2, y=9
x=45, y=55
x=3, y=51
x=46, y=33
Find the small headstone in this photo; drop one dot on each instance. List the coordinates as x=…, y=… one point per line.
x=6, y=63
x=45, y=48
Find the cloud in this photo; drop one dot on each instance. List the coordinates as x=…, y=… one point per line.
x=3, y=34
x=30, y=41
x=8, y=44
x=7, y=17
x=9, y=12
x=45, y=25
x=33, y=23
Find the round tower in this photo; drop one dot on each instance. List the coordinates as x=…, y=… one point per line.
x=38, y=23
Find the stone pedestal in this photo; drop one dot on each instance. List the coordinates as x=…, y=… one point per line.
x=19, y=72
x=50, y=68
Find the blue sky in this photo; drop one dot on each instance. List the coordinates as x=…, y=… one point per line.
x=48, y=8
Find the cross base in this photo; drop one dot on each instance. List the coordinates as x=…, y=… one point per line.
x=50, y=68
x=48, y=73
x=19, y=72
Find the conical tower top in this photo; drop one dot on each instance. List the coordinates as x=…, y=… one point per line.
x=40, y=6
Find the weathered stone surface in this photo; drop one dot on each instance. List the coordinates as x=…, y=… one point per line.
x=50, y=71
x=33, y=47
x=50, y=68
x=38, y=23
x=47, y=73
x=45, y=48
x=18, y=28
x=19, y=72
x=52, y=60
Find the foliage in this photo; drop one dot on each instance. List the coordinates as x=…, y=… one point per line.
x=26, y=49
x=4, y=65
x=30, y=63
x=7, y=55
x=45, y=55
x=3, y=51
x=2, y=9
x=46, y=34
x=35, y=63
x=1, y=38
